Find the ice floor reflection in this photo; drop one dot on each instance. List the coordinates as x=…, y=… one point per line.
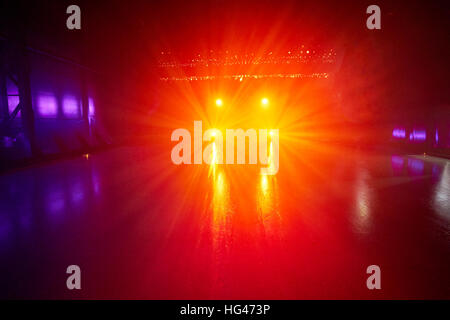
x=441, y=198
x=141, y=227
x=268, y=206
x=363, y=202
x=47, y=196
x=221, y=225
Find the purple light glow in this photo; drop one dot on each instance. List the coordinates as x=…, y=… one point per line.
x=71, y=107
x=397, y=162
x=77, y=192
x=91, y=107
x=47, y=106
x=55, y=202
x=416, y=166
x=8, y=142
x=399, y=133
x=418, y=135
x=95, y=181
x=13, y=101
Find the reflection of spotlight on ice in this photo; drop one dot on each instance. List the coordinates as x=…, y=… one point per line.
x=363, y=203
x=214, y=154
x=441, y=201
x=264, y=184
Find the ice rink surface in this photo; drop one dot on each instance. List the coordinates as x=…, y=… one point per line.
x=141, y=227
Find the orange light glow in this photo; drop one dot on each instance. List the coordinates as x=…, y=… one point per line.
x=265, y=102
x=219, y=102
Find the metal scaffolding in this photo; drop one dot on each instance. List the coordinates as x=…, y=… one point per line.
x=14, y=66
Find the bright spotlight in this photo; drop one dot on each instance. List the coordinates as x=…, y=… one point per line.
x=219, y=102
x=265, y=102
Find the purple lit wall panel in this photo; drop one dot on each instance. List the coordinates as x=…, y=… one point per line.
x=399, y=133
x=56, y=89
x=57, y=102
x=46, y=105
x=71, y=107
x=418, y=135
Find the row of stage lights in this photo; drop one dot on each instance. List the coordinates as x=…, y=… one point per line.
x=264, y=102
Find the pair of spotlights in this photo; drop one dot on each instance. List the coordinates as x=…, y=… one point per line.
x=264, y=102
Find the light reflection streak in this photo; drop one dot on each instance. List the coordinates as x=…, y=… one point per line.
x=268, y=206
x=268, y=201
x=441, y=199
x=221, y=223
x=220, y=203
x=212, y=167
x=91, y=107
x=271, y=166
x=95, y=181
x=363, y=200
